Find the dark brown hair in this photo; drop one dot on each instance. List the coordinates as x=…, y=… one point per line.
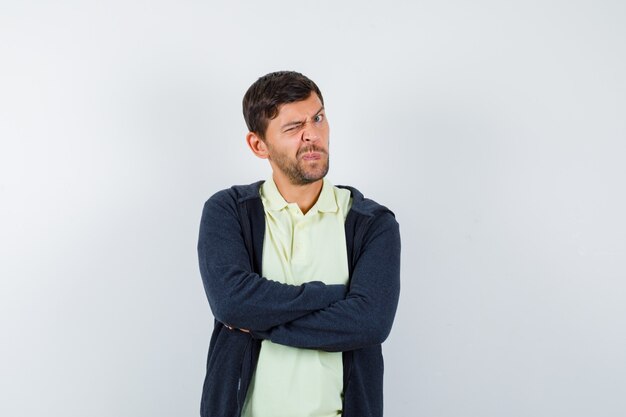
x=263, y=99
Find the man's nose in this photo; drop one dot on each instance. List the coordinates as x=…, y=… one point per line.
x=310, y=133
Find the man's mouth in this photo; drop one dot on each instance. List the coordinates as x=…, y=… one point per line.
x=312, y=154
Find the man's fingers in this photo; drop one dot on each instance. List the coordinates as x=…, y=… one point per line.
x=232, y=328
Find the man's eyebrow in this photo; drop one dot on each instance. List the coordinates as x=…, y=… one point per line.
x=300, y=122
x=290, y=124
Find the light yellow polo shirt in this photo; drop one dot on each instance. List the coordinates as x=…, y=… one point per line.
x=293, y=382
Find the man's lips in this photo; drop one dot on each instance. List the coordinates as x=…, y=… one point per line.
x=311, y=156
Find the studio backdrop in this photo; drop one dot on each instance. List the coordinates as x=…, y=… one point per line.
x=495, y=131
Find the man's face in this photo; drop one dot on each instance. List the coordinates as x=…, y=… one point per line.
x=297, y=141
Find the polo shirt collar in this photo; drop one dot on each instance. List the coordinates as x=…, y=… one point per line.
x=326, y=202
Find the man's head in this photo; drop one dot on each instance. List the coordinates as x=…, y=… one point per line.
x=284, y=112
x=263, y=100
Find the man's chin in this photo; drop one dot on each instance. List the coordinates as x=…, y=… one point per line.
x=317, y=174
x=309, y=178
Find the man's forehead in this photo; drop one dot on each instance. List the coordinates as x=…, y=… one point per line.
x=308, y=107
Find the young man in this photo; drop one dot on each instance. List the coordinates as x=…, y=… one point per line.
x=302, y=277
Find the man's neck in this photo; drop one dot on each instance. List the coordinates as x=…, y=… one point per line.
x=304, y=195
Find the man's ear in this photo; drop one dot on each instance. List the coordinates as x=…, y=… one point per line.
x=257, y=145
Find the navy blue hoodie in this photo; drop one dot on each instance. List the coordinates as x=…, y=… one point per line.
x=354, y=320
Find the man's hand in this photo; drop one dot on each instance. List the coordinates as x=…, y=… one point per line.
x=233, y=328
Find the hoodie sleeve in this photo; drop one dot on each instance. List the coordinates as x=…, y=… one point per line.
x=238, y=296
x=365, y=316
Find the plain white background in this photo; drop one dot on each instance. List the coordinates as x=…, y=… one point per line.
x=494, y=129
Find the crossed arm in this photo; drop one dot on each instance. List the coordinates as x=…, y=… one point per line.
x=312, y=315
x=364, y=317
x=237, y=295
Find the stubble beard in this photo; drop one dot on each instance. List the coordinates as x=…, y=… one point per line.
x=301, y=172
